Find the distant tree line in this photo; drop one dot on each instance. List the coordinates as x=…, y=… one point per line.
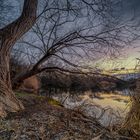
x=55, y=82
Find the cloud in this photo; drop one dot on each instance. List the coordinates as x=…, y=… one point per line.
x=131, y=8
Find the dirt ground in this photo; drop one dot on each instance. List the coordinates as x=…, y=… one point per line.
x=45, y=119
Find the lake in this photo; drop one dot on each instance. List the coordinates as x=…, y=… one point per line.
x=109, y=108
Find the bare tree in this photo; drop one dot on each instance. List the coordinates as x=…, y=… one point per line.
x=71, y=34
x=8, y=37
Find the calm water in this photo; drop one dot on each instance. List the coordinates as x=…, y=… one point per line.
x=109, y=108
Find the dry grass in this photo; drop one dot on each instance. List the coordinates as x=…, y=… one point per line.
x=132, y=123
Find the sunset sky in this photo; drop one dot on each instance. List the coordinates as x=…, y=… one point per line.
x=131, y=10
x=127, y=60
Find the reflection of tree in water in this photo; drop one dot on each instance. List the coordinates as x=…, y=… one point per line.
x=57, y=83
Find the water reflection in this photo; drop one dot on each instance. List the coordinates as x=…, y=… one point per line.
x=110, y=108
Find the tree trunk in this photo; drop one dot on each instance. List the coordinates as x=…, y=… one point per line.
x=19, y=79
x=8, y=101
x=8, y=37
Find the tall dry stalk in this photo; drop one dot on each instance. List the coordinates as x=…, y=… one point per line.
x=132, y=123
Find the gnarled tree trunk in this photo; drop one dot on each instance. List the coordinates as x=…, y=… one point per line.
x=8, y=101
x=8, y=37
